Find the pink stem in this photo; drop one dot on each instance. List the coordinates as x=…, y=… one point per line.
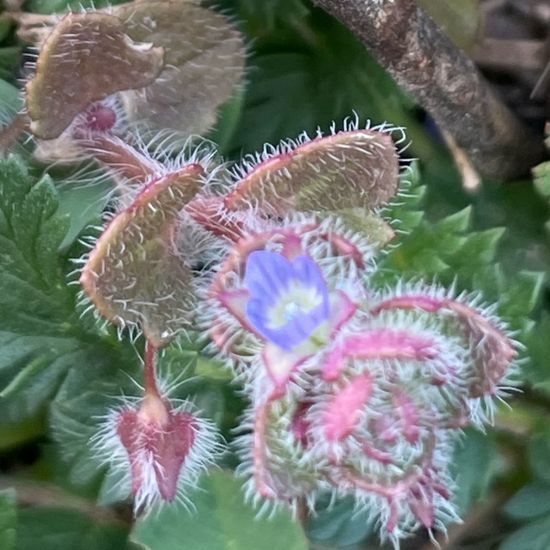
x=149, y=370
x=120, y=158
x=259, y=458
x=212, y=214
x=379, y=344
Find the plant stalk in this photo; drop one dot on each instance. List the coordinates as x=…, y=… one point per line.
x=444, y=81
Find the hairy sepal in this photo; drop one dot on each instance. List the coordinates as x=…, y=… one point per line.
x=491, y=350
x=158, y=449
x=86, y=58
x=134, y=275
x=204, y=62
x=358, y=168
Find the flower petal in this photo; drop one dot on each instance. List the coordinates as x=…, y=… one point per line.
x=280, y=364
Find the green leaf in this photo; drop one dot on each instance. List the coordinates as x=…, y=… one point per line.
x=538, y=345
x=325, y=524
x=8, y=519
x=480, y=248
x=83, y=206
x=228, y=118
x=522, y=295
x=38, y=324
x=268, y=15
x=458, y=222
x=539, y=456
x=541, y=174
x=222, y=521
x=9, y=60
x=534, y=536
x=474, y=467
x=33, y=292
x=340, y=525
x=84, y=397
x=529, y=502
x=301, y=49
x=10, y=100
x=62, y=528
x=214, y=369
x=429, y=247
x=56, y=6
x=460, y=20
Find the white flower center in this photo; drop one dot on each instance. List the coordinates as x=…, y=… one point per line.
x=297, y=300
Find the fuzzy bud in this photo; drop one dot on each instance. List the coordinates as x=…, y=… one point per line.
x=161, y=449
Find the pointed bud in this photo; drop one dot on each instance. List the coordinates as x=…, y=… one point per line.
x=162, y=449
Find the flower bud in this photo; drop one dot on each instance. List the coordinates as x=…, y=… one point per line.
x=161, y=448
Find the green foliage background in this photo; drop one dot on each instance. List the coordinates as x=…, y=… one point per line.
x=59, y=369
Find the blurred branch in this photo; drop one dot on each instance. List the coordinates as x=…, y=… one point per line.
x=479, y=520
x=512, y=55
x=41, y=494
x=444, y=81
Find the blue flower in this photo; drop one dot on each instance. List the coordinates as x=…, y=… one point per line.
x=288, y=300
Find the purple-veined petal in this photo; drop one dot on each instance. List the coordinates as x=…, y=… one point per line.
x=267, y=275
x=308, y=272
x=288, y=299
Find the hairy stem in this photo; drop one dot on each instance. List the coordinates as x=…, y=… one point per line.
x=259, y=450
x=149, y=370
x=120, y=158
x=443, y=80
x=33, y=493
x=12, y=132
